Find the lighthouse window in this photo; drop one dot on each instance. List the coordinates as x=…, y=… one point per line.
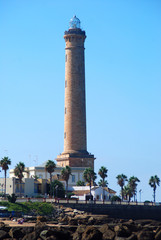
x=66, y=57
x=65, y=135
x=65, y=110
x=65, y=83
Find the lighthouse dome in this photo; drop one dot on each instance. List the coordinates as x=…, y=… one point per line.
x=74, y=23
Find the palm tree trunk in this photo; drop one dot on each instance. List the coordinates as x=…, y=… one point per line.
x=50, y=184
x=66, y=187
x=103, y=189
x=90, y=189
x=20, y=187
x=122, y=195
x=5, y=173
x=154, y=194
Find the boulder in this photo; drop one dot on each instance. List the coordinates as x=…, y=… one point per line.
x=3, y=234
x=41, y=219
x=122, y=231
x=30, y=236
x=78, y=233
x=91, y=233
x=107, y=232
x=55, y=234
x=39, y=227
x=16, y=232
x=158, y=235
x=145, y=235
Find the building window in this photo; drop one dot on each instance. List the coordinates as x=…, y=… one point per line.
x=73, y=178
x=65, y=83
x=66, y=57
x=65, y=110
x=65, y=135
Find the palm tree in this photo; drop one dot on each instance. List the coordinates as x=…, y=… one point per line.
x=18, y=171
x=133, y=185
x=127, y=192
x=103, y=174
x=50, y=167
x=102, y=183
x=80, y=183
x=4, y=163
x=89, y=176
x=65, y=173
x=121, y=178
x=153, y=182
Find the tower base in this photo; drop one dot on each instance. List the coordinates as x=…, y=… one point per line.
x=76, y=160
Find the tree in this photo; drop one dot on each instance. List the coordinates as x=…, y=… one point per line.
x=65, y=173
x=80, y=183
x=127, y=192
x=133, y=185
x=89, y=176
x=18, y=171
x=121, y=178
x=103, y=174
x=102, y=183
x=4, y=163
x=153, y=182
x=50, y=168
x=58, y=189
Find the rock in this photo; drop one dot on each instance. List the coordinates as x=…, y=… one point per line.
x=30, y=236
x=41, y=219
x=2, y=225
x=145, y=235
x=16, y=232
x=82, y=219
x=27, y=230
x=120, y=238
x=73, y=221
x=78, y=233
x=46, y=233
x=122, y=231
x=108, y=234
x=55, y=234
x=39, y=227
x=3, y=234
x=65, y=220
x=68, y=210
x=92, y=233
x=158, y=235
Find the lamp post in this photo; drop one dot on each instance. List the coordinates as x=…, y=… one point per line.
x=140, y=191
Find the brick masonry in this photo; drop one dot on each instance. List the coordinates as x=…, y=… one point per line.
x=75, y=143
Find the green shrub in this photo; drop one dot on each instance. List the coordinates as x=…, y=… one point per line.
x=115, y=199
x=12, y=198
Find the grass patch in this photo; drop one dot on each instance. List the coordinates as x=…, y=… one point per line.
x=38, y=208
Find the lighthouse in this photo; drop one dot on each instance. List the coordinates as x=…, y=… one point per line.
x=75, y=152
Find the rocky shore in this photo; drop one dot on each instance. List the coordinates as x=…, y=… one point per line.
x=71, y=224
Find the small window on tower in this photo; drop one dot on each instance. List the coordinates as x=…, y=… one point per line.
x=65, y=135
x=66, y=57
x=65, y=83
x=65, y=110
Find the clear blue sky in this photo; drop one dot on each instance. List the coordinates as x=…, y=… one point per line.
x=123, y=83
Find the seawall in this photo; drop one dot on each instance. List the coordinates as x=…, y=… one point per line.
x=119, y=211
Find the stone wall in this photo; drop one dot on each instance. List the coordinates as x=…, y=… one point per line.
x=120, y=211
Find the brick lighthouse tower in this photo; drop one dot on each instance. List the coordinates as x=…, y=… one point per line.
x=75, y=141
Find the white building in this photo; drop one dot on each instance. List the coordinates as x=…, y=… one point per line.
x=41, y=173
x=83, y=192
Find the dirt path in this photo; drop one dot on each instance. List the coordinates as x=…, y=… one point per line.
x=25, y=224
